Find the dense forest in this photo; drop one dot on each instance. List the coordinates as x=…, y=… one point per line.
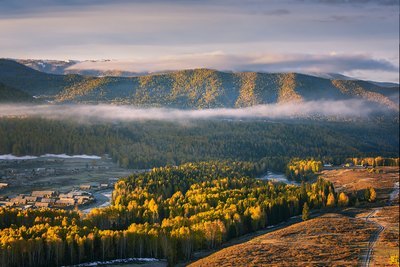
x=9, y=94
x=169, y=212
x=150, y=144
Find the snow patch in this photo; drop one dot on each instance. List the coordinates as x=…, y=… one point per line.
x=116, y=261
x=63, y=156
x=12, y=157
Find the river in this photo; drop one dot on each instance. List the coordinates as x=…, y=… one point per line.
x=277, y=177
x=102, y=199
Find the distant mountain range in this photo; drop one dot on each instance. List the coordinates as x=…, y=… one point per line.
x=73, y=67
x=198, y=88
x=64, y=67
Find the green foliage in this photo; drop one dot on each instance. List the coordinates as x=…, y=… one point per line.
x=305, y=214
x=156, y=143
x=9, y=94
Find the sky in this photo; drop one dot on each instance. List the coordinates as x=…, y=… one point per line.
x=358, y=38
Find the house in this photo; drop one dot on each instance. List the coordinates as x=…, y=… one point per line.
x=31, y=199
x=63, y=195
x=66, y=202
x=42, y=204
x=45, y=193
x=10, y=203
x=48, y=200
x=18, y=200
x=85, y=187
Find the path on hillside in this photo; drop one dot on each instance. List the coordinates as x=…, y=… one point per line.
x=381, y=228
x=367, y=256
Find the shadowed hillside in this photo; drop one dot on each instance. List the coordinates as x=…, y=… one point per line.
x=9, y=94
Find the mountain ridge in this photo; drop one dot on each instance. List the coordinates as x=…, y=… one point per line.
x=196, y=88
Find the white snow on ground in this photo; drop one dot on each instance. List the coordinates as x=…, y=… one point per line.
x=395, y=192
x=129, y=260
x=12, y=157
x=63, y=156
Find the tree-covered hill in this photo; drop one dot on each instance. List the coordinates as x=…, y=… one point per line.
x=199, y=88
x=33, y=82
x=9, y=94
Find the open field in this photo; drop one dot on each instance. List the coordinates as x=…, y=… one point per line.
x=355, y=179
x=387, y=245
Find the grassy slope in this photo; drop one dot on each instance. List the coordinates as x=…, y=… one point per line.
x=332, y=239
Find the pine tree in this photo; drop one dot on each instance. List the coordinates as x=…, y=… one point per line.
x=306, y=212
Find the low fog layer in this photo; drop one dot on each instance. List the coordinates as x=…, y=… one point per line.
x=347, y=108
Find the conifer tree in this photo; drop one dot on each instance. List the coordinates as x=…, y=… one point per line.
x=306, y=212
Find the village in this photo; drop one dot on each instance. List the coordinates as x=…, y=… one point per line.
x=79, y=196
x=52, y=182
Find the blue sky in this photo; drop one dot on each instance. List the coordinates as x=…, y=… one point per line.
x=359, y=38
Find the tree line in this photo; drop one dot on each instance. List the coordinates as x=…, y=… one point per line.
x=150, y=144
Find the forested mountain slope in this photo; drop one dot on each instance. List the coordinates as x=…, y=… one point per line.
x=199, y=88
x=9, y=94
x=32, y=81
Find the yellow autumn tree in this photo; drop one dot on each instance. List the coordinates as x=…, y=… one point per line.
x=343, y=200
x=330, y=202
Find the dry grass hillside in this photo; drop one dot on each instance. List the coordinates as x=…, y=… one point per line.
x=330, y=240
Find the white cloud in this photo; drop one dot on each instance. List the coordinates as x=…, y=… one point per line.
x=306, y=63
